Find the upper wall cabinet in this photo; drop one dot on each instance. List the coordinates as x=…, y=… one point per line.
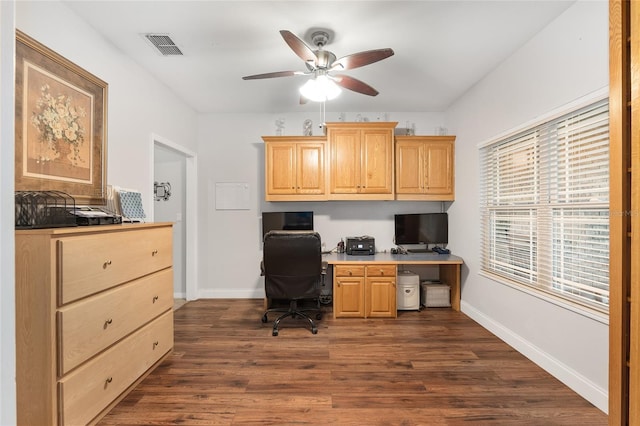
x=295, y=168
x=360, y=160
x=424, y=168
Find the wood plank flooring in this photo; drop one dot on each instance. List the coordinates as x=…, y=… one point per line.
x=434, y=367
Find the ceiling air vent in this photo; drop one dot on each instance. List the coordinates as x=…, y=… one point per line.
x=164, y=44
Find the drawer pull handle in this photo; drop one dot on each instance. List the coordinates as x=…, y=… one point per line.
x=108, y=322
x=154, y=299
x=105, y=264
x=109, y=380
x=153, y=253
x=155, y=344
x=350, y=273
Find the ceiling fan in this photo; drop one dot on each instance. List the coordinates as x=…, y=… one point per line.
x=322, y=63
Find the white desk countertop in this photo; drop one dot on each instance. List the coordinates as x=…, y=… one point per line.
x=403, y=259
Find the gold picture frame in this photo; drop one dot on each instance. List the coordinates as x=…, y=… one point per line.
x=60, y=126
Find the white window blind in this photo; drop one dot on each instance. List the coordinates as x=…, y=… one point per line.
x=544, y=206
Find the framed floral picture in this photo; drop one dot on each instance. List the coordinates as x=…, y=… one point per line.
x=61, y=125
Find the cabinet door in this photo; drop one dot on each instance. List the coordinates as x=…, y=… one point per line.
x=439, y=168
x=345, y=161
x=424, y=168
x=348, y=297
x=409, y=167
x=280, y=168
x=377, y=162
x=310, y=168
x=380, y=297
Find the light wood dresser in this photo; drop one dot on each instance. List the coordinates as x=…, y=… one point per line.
x=94, y=316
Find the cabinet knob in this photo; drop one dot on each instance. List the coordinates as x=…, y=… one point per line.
x=350, y=273
x=153, y=253
x=381, y=271
x=155, y=344
x=105, y=264
x=155, y=298
x=108, y=322
x=109, y=380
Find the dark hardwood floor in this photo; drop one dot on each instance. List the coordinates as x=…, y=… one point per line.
x=434, y=367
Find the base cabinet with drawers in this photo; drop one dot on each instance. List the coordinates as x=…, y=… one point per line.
x=364, y=291
x=94, y=315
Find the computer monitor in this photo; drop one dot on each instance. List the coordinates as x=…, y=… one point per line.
x=421, y=228
x=284, y=221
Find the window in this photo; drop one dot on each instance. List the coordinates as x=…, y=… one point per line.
x=545, y=207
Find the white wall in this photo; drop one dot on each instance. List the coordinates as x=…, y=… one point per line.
x=566, y=61
x=230, y=244
x=138, y=104
x=7, y=251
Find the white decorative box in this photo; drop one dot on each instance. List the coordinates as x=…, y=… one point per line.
x=436, y=295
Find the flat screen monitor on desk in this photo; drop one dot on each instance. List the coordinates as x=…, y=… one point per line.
x=422, y=228
x=287, y=221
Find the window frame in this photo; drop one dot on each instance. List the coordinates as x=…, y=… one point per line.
x=543, y=205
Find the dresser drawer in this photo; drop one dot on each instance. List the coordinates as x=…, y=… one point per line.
x=349, y=270
x=91, y=325
x=88, y=264
x=91, y=388
x=381, y=271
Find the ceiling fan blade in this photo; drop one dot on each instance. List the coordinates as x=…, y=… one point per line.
x=299, y=47
x=361, y=59
x=355, y=85
x=272, y=75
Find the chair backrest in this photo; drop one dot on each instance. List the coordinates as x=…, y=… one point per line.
x=292, y=264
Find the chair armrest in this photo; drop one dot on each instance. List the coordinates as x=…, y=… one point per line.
x=262, y=268
x=325, y=266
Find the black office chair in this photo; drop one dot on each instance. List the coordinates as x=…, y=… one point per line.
x=293, y=268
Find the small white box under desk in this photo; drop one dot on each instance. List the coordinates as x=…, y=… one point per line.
x=435, y=295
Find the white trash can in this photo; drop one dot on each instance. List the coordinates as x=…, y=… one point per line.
x=408, y=291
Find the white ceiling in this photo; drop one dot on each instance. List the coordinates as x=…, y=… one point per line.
x=442, y=48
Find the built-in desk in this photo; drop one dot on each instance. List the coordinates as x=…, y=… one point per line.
x=356, y=268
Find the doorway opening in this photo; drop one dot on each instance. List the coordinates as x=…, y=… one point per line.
x=175, y=168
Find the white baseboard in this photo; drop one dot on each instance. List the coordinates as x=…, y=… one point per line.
x=578, y=383
x=231, y=294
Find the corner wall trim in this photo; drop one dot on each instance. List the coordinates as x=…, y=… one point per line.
x=596, y=395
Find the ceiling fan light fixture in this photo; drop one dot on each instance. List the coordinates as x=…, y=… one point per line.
x=320, y=89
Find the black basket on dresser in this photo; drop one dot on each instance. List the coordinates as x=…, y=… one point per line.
x=44, y=209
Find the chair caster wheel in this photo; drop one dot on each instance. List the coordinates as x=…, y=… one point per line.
x=314, y=330
x=264, y=318
x=274, y=333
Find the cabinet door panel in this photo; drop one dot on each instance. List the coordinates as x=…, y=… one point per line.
x=310, y=164
x=439, y=168
x=349, y=298
x=377, y=162
x=380, y=298
x=409, y=168
x=281, y=169
x=345, y=161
